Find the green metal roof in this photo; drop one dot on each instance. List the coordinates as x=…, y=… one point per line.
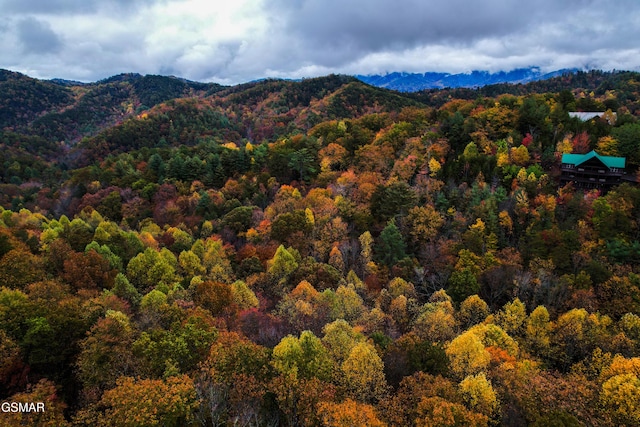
x=608, y=161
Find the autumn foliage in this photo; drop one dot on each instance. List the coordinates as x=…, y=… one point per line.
x=318, y=253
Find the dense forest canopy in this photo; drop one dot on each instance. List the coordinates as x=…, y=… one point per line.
x=319, y=252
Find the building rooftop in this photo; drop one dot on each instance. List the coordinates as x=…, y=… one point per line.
x=608, y=161
x=587, y=115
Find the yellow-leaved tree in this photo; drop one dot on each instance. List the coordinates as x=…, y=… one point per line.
x=467, y=355
x=479, y=394
x=621, y=390
x=363, y=373
x=169, y=402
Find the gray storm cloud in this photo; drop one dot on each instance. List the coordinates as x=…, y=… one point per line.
x=61, y=6
x=380, y=24
x=335, y=33
x=37, y=37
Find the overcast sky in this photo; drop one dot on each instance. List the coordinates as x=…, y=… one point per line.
x=234, y=41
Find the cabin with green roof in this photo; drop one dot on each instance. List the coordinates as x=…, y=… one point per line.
x=592, y=171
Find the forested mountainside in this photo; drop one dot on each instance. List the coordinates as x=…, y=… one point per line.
x=65, y=111
x=320, y=253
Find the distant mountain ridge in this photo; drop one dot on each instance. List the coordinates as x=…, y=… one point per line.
x=414, y=82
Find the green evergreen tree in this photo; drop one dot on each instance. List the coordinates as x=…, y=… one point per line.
x=390, y=247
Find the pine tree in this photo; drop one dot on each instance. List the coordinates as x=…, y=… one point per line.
x=390, y=247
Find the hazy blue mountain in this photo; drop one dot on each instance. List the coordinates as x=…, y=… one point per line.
x=413, y=82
